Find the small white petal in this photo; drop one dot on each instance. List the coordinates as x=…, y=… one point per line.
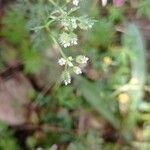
x=67, y=81
x=75, y=43
x=84, y=60
x=75, y=2
x=66, y=78
x=81, y=59
x=61, y=61
x=77, y=70
x=104, y=2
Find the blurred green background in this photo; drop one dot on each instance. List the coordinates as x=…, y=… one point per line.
x=107, y=108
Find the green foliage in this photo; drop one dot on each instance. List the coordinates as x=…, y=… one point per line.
x=92, y=94
x=133, y=41
x=87, y=142
x=14, y=27
x=7, y=140
x=115, y=14
x=8, y=54
x=1, y=59
x=31, y=142
x=67, y=98
x=99, y=34
x=89, y=8
x=31, y=60
x=143, y=8
x=38, y=16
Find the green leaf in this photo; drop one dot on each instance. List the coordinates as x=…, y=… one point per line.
x=133, y=41
x=66, y=97
x=31, y=59
x=91, y=93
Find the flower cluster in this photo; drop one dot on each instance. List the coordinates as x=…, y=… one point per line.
x=75, y=2
x=68, y=23
x=68, y=39
x=72, y=65
x=71, y=23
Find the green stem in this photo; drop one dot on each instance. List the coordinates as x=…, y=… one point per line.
x=55, y=41
x=60, y=49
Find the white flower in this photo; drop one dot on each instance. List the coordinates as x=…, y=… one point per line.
x=74, y=41
x=84, y=60
x=66, y=78
x=77, y=70
x=62, y=61
x=75, y=2
x=65, y=22
x=66, y=45
x=67, y=40
x=68, y=61
x=86, y=23
x=64, y=39
x=68, y=23
x=104, y=2
x=81, y=59
x=67, y=81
